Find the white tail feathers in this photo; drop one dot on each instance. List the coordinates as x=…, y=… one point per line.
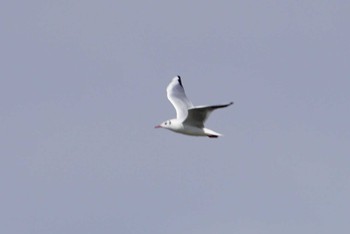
x=211, y=133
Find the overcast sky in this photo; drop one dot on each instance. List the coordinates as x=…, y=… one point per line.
x=82, y=84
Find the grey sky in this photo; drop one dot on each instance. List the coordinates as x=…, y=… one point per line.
x=82, y=83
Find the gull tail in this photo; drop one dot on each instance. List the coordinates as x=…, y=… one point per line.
x=211, y=133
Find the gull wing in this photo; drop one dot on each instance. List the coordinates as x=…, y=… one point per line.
x=198, y=115
x=177, y=97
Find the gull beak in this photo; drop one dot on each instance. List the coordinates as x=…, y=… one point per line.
x=158, y=126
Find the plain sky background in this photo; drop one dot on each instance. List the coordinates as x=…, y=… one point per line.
x=82, y=84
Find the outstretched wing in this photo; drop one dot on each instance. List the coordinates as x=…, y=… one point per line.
x=177, y=97
x=198, y=115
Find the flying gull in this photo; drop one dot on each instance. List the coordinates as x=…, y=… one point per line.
x=189, y=119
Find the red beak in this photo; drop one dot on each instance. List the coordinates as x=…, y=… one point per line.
x=158, y=126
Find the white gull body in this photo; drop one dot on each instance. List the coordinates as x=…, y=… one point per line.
x=189, y=119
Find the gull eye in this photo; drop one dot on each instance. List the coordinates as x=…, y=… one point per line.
x=165, y=123
x=169, y=122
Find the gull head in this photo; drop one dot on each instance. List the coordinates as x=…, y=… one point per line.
x=169, y=124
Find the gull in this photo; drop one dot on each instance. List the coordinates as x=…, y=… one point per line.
x=189, y=119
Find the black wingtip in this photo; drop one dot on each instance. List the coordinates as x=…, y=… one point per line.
x=179, y=80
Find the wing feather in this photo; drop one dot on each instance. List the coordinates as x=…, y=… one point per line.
x=177, y=97
x=198, y=115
